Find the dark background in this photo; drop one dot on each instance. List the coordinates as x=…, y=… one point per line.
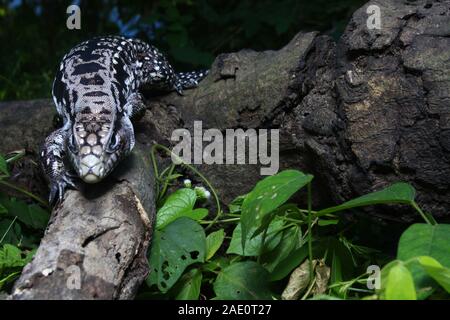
x=34, y=37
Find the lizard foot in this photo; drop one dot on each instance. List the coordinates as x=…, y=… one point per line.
x=58, y=187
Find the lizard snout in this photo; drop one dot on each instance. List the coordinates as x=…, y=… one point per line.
x=91, y=169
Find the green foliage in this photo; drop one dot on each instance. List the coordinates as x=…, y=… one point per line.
x=267, y=196
x=12, y=260
x=213, y=242
x=263, y=261
x=243, y=281
x=179, y=204
x=188, y=287
x=191, y=33
x=254, y=246
x=280, y=236
x=399, y=284
x=174, y=248
x=396, y=193
x=3, y=166
x=426, y=240
x=436, y=271
x=22, y=223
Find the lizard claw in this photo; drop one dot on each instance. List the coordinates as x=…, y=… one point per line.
x=58, y=187
x=179, y=89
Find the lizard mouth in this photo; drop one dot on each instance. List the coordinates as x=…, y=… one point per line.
x=91, y=169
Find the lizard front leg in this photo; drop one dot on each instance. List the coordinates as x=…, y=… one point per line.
x=52, y=158
x=135, y=106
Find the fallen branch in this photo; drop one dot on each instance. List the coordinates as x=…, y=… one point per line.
x=95, y=245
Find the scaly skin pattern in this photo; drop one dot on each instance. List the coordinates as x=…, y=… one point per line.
x=96, y=93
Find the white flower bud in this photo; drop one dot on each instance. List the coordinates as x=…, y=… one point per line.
x=187, y=183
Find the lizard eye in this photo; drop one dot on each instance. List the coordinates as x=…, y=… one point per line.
x=71, y=145
x=114, y=143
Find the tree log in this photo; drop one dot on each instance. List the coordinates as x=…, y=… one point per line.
x=360, y=113
x=95, y=245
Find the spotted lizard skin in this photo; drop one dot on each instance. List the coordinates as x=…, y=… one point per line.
x=97, y=94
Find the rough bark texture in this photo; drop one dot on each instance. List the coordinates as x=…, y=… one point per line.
x=96, y=242
x=359, y=114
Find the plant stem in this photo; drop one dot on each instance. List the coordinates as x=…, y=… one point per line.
x=193, y=169
x=428, y=218
x=310, y=232
x=8, y=277
x=221, y=221
x=166, y=182
x=313, y=282
x=233, y=214
x=18, y=154
x=263, y=240
x=25, y=192
x=307, y=211
x=155, y=167
x=9, y=228
x=293, y=220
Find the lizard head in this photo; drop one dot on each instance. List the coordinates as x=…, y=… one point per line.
x=95, y=147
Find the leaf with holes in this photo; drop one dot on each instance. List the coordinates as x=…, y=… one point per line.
x=178, y=204
x=268, y=195
x=243, y=281
x=177, y=246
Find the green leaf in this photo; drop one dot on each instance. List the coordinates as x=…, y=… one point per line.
x=38, y=217
x=268, y=195
x=32, y=216
x=189, y=285
x=177, y=246
x=324, y=223
x=236, y=205
x=290, y=241
x=197, y=214
x=243, y=281
x=9, y=278
x=291, y=262
x=424, y=240
x=213, y=242
x=3, y=166
x=399, y=284
x=3, y=209
x=253, y=245
x=178, y=204
x=216, y=263
x=10, y=231
x=397, y=193
x=11, y=256
x=336, y=273
x=435, y=270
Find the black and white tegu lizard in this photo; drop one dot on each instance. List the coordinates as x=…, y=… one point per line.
x=96, y=93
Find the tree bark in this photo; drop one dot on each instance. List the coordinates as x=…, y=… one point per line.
x=360, y=113
x=95, y=245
